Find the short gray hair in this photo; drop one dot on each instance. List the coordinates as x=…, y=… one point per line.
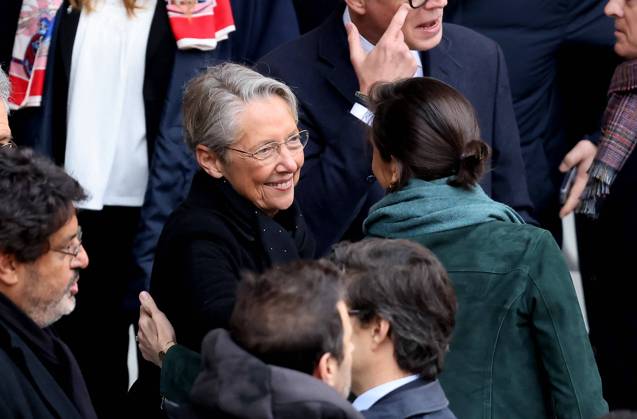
x=214, y=99
x=5, y=90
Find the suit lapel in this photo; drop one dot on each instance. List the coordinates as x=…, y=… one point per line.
x=158, y=25
x=67, y=31
x=333, y=50
x=441, y=64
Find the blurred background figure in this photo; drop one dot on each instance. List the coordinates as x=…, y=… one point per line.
x=611, y=197
x=560, y=59
x=528, y=355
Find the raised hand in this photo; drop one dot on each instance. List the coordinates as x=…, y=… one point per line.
x=390, y=59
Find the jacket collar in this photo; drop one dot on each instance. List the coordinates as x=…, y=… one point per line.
x=285, y=237
x=416, y=398
x=29, y=348
x=333, y=50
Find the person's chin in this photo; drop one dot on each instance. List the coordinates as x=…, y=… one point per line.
x=423, y=41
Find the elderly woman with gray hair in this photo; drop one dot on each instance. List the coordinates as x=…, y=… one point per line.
x=240, y=214
x=6, y=141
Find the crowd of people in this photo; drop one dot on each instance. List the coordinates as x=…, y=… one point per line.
x=305, y=208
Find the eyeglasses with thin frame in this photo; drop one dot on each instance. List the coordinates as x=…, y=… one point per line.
x=268, y=152
x=8, y=145
x=72, y=249
x=417, y=3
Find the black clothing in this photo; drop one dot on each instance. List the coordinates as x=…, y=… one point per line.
x=40, y=377
x=207, y=243
x=234, y=384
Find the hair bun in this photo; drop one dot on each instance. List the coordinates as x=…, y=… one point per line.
x=472, y=163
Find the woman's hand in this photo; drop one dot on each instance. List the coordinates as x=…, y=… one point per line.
x=156, y=333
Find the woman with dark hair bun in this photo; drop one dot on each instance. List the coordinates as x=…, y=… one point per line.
x=520, y=348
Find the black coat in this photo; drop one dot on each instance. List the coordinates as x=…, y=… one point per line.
x=234, y=384
x=40, y=379
x=207, y=243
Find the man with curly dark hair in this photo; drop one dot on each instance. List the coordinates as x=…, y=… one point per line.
x=41, y=255
x=402, y=306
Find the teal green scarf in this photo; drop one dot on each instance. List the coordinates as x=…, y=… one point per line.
x=422, y=207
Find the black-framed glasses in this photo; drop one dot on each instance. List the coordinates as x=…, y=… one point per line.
x=73, y=249
x=417, y=3
x=8, y=145
x=268, y=152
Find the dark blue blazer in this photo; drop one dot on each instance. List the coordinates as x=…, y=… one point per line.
x=416, y=400
x=560, y=59
x=335, y=191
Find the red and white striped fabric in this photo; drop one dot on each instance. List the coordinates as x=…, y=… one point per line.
x=30, y=51
x=207, y=23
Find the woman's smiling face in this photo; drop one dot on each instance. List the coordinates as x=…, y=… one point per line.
x=269, y=185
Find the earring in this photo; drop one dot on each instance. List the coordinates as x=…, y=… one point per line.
x=392, y=187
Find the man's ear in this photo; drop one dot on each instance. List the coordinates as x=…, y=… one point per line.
x=326, y=369
x=357, y=6
x=209, y=161
x=8, y=270
x=379, y=328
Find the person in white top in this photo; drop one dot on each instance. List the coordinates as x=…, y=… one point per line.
x=402, y=306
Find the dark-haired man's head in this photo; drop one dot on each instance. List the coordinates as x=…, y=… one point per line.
x=425, y=129
x=294, y=316
x=403, y=309
x=40, y=240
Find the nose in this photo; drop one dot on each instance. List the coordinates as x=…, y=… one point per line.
x=614, y=8
x=288, y=160
x=81, y=261
x=435, y=4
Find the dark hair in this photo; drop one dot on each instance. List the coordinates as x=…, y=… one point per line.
x=288, y=317
x=404, y=283
x=37, y=200
x=430, y=129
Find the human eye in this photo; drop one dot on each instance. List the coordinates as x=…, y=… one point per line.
x=265, y=151
x=294, y=141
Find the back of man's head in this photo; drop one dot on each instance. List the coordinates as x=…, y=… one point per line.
x=405, y=284
x=288, y=315
x=37, y=200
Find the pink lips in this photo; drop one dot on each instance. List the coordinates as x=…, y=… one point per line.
x=431, y=27
x=74, y=288
x=283, y=185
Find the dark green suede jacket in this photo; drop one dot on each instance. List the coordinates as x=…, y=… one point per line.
x=520, y=347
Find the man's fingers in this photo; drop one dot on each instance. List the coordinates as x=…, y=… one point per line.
x=584, y=151
x=574, y=196
x=394, y=30
x=148, y=303
x=356, y=53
